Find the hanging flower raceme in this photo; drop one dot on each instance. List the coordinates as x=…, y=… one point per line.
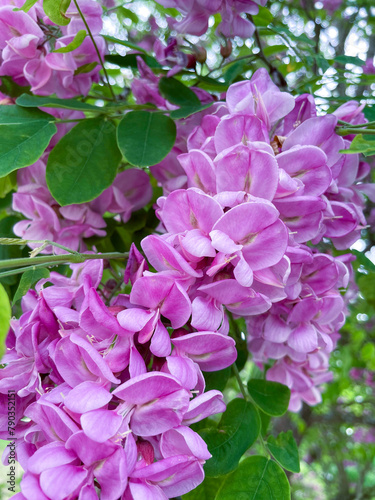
x=96, y=398
x=28, y=41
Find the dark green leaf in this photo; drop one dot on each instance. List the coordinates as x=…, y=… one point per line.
x=5, y=315
x=236, y=69
x=206, y=490
x=256, y=478
x=84, y=163
x=285, y=450
x=74, y=44
x=217, y=380
x=271, y=397
x=177, y=93
x=55, y=10
x=24, y=136
x=130, y=60
x=8, y=87
x=363, y=260
x=28, y=280
x=34, y=101
x=237, y=430
x=125, y=43
x=145, y=138
x=85, y=68
x=186, y=111
x=349, y=60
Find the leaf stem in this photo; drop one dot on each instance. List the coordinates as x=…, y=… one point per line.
x=351, y=130
x=96, y=49
x=60, y=259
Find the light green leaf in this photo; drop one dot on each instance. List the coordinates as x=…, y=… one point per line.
x=263, y=18
x=360, y=145
x=7, y=184
x=271, y=397
x=34, y=101
x=124, y=13
x=5, y=316
x=74, y=44
x=24, y=136
x=145, y=138
x=28, y=280
x=285, y=450
x=257, y=478
x=274, y=49
x=27, y=5
x=237, y=430
x=84, y=163
x=55, y=10
x=177, y=93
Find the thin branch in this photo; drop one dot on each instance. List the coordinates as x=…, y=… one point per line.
x=96, y=49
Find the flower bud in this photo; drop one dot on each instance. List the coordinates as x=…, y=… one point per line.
x=226, y=50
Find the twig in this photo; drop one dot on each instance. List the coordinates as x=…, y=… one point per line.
x=96, y=49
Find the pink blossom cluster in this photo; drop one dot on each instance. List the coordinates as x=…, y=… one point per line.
x=261, y=178
x=28, y=41
x=108, y=403
x=71, y=225
x=196, y=14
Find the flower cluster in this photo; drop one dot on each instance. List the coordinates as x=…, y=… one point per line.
x=197, y=13
x=108, y=405
x=263, y=176
x=28, y=41
x=70, y=225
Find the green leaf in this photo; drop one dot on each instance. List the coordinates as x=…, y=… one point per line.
x=177, y=93
x=5, y=315
x=256, y=478
x=125, y=43
x=24, y=136
x=271, y=397
x=145, y=138
x=274, y=49
x=34, y=101
x=55, y=10
x=123, y=13
x=186, y=111
x=28, y=279
x=349, y=60
x=130, y=60
x=85, y=68
x=285, y=450
x=11, y=89
x=363, y=260
x=84, y=163
x=27, y=5
x=217, y=380
x=263, y=18
x=236, y=69
x=74, y=44
x=205, y=491
x=7, y=184
x=360, y=145
x=237, y=430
